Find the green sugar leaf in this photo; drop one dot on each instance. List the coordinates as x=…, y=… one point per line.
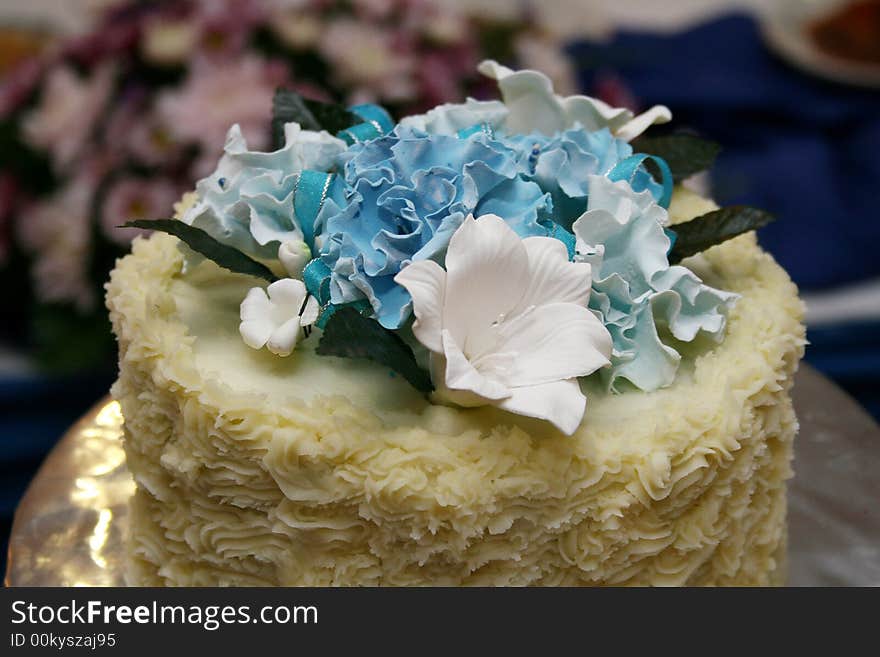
x=715, y=227
x=349, y=334
x=289, y=106
x=685, y=154
x=201, y=242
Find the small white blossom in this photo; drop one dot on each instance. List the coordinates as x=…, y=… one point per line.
x=274, y=317
x=507, y=322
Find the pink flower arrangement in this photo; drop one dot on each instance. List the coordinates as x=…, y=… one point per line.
x=135, y=198
x=57, y=231
x=69, y=107
x=215, y=96
x=116, y=124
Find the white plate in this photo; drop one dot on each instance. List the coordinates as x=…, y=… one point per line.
x=784, y=25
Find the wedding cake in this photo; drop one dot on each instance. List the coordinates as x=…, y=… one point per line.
x=494, y=344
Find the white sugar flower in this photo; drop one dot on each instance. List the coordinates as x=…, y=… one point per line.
x=533, y=107
x=507, y=322
x=294, y=256
x=529, y=104
x=275, y=320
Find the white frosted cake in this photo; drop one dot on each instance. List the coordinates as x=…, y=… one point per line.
x=570, y=438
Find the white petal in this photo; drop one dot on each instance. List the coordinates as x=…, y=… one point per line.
x=553, y=342
x=288, y=293
x=561, y=403
x=595, y=114
x=619, y=198
x=255, y=332
x=635, y=127
x=292, y=131
x=235, y=141
x=310, y=314
x=449, y=119
x=461, y=375
x=425, y=280
x=553, y=277
x=492, y=69
x=487, y=271
x=283, y=339
x=255, y=305
x=294, y=255
x=532, y=106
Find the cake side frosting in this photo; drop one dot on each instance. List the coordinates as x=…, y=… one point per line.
x=253, y=470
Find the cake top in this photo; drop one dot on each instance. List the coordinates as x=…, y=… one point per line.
x=490, y=252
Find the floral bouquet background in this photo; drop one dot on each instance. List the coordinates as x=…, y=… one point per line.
x=116, y=125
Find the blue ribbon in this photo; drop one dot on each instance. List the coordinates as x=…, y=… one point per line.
x=361, y=305
x=565, y=237
x=316, y=277
x=627, y=168
x=377, y=122
x=369, y=112
x=311, y=192
x=308, y=197
x=312, y=186
x=483, y=128
x=672, y=238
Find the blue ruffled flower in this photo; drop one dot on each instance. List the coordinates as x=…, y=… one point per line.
x=402, y=197
x=562, y=163
x=247, y=202
x=621, y=235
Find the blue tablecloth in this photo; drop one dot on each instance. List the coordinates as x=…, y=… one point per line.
x=805, y=149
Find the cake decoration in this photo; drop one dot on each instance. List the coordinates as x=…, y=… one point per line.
x=490, y=252
x=529, y=104
x=400, y=200
x=247, y=202
x=507, y=322
x=634, y=287
x=274, y=317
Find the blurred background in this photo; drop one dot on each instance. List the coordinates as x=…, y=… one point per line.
x=109, y=110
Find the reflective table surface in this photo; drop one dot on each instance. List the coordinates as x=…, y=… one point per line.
x=70, y=525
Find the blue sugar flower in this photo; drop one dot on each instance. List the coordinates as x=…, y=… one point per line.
x=621, y=235
x=247, y=202
x=561, y=165
x=402, y=197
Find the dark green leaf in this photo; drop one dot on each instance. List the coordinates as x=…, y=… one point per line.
x=715, y=227
x=288, y=106
x=201, y=242
x=351, y=335
x=685, y=154
x=331, y=117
